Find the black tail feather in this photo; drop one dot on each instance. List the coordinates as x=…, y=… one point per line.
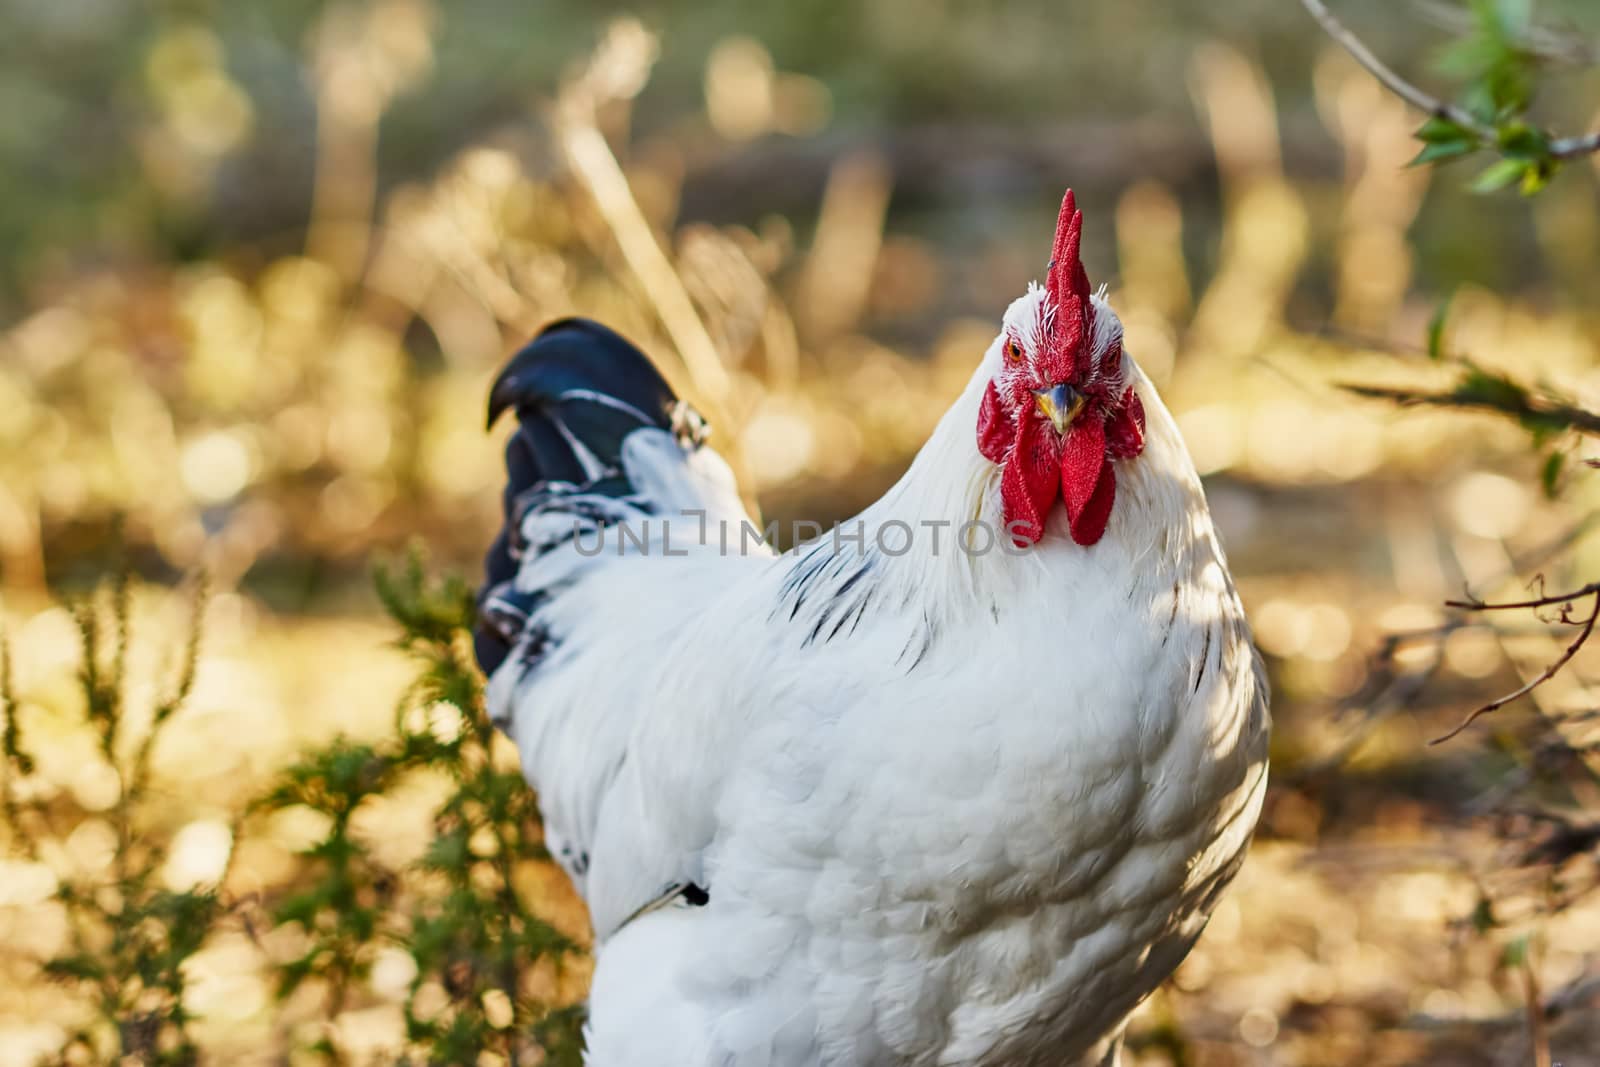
x=578, y=390
x=583, y=356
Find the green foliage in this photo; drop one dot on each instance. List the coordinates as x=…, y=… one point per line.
x=1499, y=76
x=131, y=936
x=458, y=912
x=1499, y=72
x=484, y=958
x=1544, y=413
x=1550, y=418
x=1550, y=473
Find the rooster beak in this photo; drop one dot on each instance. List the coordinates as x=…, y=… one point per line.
x=1060, y=404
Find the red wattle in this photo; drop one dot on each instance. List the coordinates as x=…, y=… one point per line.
x=1083, y=455
x=995, y=431
x=1088, y=484
x=1090, y=524
x=1030, y=484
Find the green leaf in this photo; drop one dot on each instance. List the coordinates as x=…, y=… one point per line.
x=82, y=967
x=1550, y=473
x=448, y=852
x=1443, y=151
x=1515, y=954
x=1482, y=387
x=1477, y=99
x=1537, y=177
x=293, y=973
x=1442, y=130
x=1469, y=57
x=1515, y=16
x=1500, y=175
x=1518, y=140
x=301, y=908
x=1436, y=325
x=1510, y=84
x=1500, y=20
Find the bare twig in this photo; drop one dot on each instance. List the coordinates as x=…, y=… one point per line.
x=1578, y=994
x=1562, y=148
x=1393, y=82
x=1538, y=1032
x=1528, y=407
x=1545, y=675
x=1573, y=147
x=1472, y=603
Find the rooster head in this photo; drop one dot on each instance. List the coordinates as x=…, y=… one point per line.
x=1060, y=408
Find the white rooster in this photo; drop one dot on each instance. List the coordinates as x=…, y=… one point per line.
x=957, y=785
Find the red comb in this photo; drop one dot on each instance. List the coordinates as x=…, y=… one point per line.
x=1067, y=283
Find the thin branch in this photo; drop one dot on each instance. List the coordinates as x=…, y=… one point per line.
x=1474, y=604
x=1577, y=994
x=1547, y=674
x=1573, y=147
x=1565, y=148
x=1538, y=1032
x=1393, y=82
x=1545, y=410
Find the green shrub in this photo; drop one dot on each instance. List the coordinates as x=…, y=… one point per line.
x=459, y=913
x=130, y=935
x=485, y=960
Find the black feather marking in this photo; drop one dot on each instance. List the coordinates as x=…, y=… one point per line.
x=799, y=581
x=853, y=579
x=533, y=647
x=862, y=610
x=925, y=631
x=1205, y=658
x=852, y=608
x=927, y=643
x=844, y=617
x=1177, y=595
x=505, y=610
x=696, y=895
x=805, y=570
x=822, y=620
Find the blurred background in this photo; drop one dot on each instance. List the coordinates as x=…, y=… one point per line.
x=261, y=262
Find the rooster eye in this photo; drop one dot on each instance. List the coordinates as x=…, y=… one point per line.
x=1013, y=351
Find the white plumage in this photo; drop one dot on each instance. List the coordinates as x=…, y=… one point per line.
x=849, y=806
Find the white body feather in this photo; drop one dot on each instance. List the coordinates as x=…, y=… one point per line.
x=951, y=807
